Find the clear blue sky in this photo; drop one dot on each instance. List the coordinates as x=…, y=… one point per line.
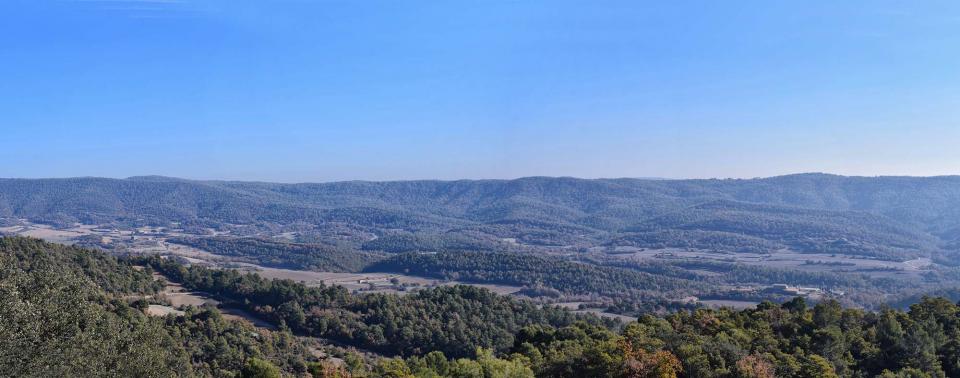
x=333, y=90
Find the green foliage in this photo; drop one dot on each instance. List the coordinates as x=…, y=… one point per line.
x=484, y=364
x=257, y=368
x=742, y=227
x=217, y=346
x=885, y=217
x=455, y=320
x=269, y=253
x=783, y=341
x=58, y=320
x=106, y=272
x=55, y=321
x=529, y=270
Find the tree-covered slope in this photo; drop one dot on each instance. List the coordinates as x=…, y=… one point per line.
x=302, y=256
x=533, y=271
x=66, y=311
x=69, y=312
x=730, y=225
x=881, y=216
x=453, y=319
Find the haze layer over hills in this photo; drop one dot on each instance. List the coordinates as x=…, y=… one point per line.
x=886, y=217
x=538, y=276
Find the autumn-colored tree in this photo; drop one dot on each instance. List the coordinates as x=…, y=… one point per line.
x=754, y=366
x=639, y=363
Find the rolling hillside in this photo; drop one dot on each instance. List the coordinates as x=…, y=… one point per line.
x=883, y=216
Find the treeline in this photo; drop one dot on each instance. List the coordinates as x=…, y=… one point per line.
x=530, y=270
x=788, y=340
x=455, y=320
x=276, y=254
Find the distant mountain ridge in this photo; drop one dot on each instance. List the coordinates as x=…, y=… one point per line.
x=867, y=215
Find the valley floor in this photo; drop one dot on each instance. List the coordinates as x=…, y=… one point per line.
x=155, y=240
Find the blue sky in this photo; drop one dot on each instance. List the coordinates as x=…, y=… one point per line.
x=301, y=90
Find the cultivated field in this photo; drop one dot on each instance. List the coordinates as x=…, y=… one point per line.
x=815, y=262
x=371, y=282
x=153, y=240
x=179, y=297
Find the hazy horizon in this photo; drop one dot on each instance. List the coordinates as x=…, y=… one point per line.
x=295, y=91
x=503, y=188
x=468, y=178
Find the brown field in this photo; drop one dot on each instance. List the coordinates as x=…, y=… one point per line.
x=161, y=310
x=363, y=281
x=717, y=303
x=150, y=240
x=42, y=231
x=243, y=316
x=179, y=296
x=787, y=259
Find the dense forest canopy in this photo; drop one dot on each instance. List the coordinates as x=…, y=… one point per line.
x=887, y=217
x=528, y=270
x=456, y=320
x=66, y=311
x=69, y=312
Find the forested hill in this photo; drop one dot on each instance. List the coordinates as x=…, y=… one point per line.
x=68, y=312
x=886, y=216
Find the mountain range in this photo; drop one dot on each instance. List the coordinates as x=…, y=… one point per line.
x=885, y=217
